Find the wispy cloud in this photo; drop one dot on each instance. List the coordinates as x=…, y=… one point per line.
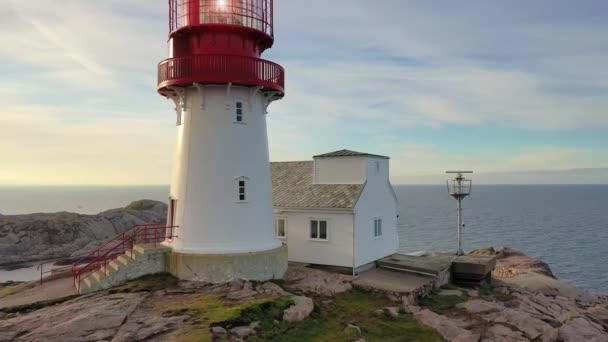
x=486, y=85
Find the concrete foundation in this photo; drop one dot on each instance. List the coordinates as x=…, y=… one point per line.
x=220, y=268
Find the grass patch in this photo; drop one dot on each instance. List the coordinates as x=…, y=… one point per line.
x=35, y=306
x=442, y=304
x=330, y=323
x=147, y=283
x=211, y=310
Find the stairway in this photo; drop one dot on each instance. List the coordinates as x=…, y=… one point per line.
x=135, y=252
x=141, y=260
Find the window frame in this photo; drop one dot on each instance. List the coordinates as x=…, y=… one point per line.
x=377, y=227
x=245, y=188
x=276, y=227
x=239, y=118
x=318, y=229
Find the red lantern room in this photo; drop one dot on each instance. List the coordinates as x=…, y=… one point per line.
x=220, y=42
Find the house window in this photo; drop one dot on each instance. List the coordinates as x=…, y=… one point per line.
x=281, y=227
x=238, y=111
x=377, y=167
x=377, y=227
x=318, y=230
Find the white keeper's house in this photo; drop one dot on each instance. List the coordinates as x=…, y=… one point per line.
x=337, y=210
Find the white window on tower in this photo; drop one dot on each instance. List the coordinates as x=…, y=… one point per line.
x=280, y=225
x=238, y=111
x=241, y=189
x=318, y=230
x=377, y=227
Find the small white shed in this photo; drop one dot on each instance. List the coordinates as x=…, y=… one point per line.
x=337, y=210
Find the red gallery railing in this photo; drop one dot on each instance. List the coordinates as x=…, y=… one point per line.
x=121, y=244
x=221, y=69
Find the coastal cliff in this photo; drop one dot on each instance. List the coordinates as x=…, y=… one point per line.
x=525, y=302
x=43, y=236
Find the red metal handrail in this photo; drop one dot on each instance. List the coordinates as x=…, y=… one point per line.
x=122, y=235
x=90, y=254
x=56, y=260
x=140, y=234
x=221, y=69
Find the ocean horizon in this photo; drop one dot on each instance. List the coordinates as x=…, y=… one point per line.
x=564, y=225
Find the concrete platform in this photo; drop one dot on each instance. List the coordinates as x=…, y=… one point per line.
x=428, y=265
x=472, y=268
x=389, y=281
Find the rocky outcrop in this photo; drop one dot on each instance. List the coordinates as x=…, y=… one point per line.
x=301, y=278
x=510, y=262
x=526, y=303
x=33, y=237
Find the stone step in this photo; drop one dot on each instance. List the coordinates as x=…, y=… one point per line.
x=86, y=283
x=124, y=259
x=114, y=265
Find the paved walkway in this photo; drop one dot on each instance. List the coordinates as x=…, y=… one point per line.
x=48, y=290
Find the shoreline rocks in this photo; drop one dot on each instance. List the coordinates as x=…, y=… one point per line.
x=25, y=239
x=526, y=303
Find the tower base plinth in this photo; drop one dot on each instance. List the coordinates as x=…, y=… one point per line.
x=221, y=268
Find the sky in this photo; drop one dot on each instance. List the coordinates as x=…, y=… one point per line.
x=515, y=90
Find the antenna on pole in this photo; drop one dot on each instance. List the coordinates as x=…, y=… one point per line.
x=459, y=188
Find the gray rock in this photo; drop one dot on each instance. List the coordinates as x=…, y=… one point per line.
x=580, y=329
x=241, y=290
x=502, y=333
x=551, y=335
x=76, y=319
x=272, y=288
x=301, y=309
x=501, y=290
x=218, y=331
x=393, y=311
x=411, y=308
x=479, y=306
x=529, y=325
x=444, y=326
x=242, y=332
x=356, y=328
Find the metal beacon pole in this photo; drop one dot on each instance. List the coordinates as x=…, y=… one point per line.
x=459, y=188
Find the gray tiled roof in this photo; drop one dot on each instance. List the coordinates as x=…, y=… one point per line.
x=348, y=153
x=292, y=187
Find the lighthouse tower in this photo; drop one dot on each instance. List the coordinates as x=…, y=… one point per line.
x=220, y=189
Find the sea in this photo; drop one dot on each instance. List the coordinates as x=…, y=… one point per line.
x=564, y=225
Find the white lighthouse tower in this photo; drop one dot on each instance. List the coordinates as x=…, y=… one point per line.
x=220, y=195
